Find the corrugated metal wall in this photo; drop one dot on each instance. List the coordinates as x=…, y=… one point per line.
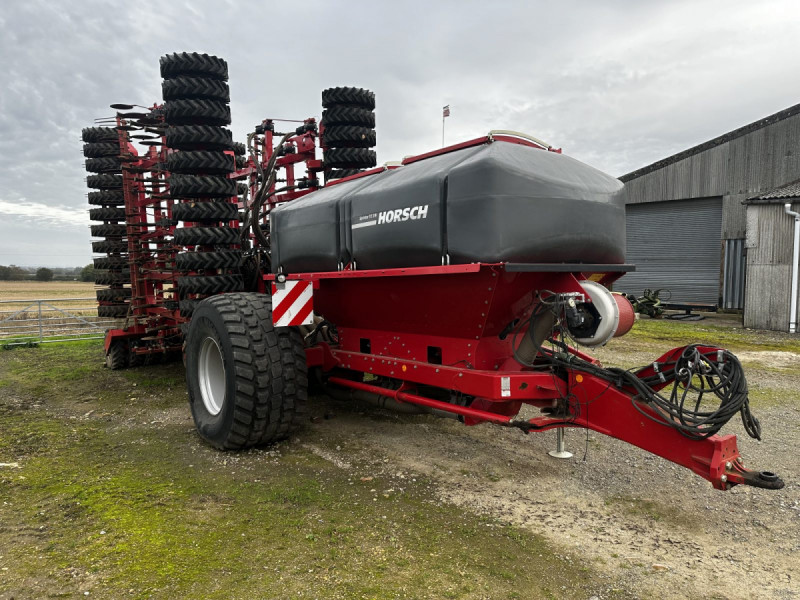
x=676, y=246
x=733, y=270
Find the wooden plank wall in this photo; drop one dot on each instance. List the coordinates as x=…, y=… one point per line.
x=769, y=269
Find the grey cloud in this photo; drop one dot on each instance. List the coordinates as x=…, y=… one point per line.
x=617, y=84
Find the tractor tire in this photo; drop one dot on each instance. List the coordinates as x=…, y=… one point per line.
x=241, y=162
x=107, y=198
x=113, y=311
x=113, y=295
x=107, y=164
x=348, y=136
x=198, y=261
x=101, y=149
x=205, y=211
x=117, y=356
x=201, y=186
x=193, y=64
x=209, y=285
x=100, y=134
x=199, y=137
x=340, y=173
x=136, y=360
x=111, y=262
x=104, y=181
x=239, y=149
x=197, y=112
x=206, y=236
x=349, y=158
x=348, y=115
x=107, y=214
x=187, y=307
x=247, y=381
x=201, y=88
x=112, y=277
x=348, y=96
x=108, y=231
x=110, y=247
x=200, y=161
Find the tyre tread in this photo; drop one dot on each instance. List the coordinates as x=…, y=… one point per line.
x=270, y=401
x=193, y=64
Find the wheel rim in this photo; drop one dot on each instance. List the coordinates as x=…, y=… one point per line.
x=211, y=376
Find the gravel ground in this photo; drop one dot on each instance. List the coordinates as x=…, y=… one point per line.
x=655, y=529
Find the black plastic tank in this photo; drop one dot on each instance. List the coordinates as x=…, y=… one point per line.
x=497, y=202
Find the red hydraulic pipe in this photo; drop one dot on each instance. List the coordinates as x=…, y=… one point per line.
x=422, y=401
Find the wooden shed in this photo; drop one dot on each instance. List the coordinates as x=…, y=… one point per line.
x=769, y=244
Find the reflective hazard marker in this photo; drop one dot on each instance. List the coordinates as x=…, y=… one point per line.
x=292, y=303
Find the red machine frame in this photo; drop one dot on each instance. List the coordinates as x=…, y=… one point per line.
x=484, y=365
x=152, y=326
x=411, y=334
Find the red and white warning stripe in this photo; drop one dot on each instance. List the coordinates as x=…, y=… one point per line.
x=292, y=303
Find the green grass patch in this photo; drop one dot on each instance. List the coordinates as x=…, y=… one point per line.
x=669, y=333
x=103, y=503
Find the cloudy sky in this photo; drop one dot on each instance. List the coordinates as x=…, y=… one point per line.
x=617, y=83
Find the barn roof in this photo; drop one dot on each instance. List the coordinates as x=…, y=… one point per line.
x=777, y=195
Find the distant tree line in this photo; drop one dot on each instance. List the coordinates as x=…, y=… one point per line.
x=16, y=273
x=13, y=272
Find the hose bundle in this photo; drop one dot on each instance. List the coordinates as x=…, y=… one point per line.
x=708, y=385
x=708, y=389
x=696, y=376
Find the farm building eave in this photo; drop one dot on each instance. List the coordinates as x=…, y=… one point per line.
x=756, y=125
x=778, y=195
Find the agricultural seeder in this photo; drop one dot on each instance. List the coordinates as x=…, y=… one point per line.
x=460, y=282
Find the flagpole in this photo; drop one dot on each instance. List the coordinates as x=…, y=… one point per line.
x=445, y=114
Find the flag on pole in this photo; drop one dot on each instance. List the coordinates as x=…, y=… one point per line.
x=445, y=111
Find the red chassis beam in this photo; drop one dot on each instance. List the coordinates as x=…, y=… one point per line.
x=606, y=409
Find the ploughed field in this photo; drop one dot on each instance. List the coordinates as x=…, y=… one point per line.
x=105, y=488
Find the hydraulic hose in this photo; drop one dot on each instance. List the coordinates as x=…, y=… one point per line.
x=267, y=181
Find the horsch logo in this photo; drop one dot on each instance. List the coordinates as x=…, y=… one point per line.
x=398, y=215
x=403, y=214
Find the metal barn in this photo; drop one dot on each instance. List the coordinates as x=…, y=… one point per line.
x=686, y=218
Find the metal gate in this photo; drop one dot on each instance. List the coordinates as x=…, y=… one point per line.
x=41, y=321
x=675, y=245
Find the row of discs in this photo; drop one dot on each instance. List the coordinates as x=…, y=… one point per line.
x=348, y=131
x=200, y=157
x=102, y=151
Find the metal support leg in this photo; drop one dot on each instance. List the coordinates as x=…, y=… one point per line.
x=559, y=452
